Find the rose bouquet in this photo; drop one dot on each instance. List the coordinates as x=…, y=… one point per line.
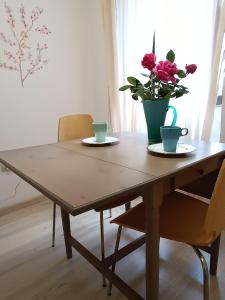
x=163, y=82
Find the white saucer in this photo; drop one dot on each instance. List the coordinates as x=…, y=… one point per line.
x=181, y=149
x=92, y=141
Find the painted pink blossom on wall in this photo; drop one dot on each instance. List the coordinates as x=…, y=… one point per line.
x=23, y=54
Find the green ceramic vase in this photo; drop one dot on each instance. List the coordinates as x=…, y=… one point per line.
x=155, y=115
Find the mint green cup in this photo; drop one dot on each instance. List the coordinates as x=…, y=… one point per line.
x=100, y=130
x=170, y=136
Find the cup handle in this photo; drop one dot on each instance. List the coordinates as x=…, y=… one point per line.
x=185, y=131
x=174, y=114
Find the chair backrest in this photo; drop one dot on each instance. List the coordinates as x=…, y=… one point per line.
x=215, y=217
x=75, y=126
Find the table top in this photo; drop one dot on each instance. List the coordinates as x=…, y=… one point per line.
x=132, y=153
x=75, y=181
x=80, y=178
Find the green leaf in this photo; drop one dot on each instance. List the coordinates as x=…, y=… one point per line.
x=183, y=87
x=134, y=89
x=148, y=96
x=168, y=96
x=140, y=93
x=124, y=88
x=145, y=75
x=181, y=74
x=147, y=84
x=178, y=93
x=133, y=80
x=135, y=97
x=170, y=56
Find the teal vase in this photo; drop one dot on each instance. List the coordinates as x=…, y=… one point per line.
x=155, y=115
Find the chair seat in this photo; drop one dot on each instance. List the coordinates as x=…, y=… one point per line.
x=119, y=202
x=182, y=219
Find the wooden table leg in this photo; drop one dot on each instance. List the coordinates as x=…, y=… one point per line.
x=67, y=232
x=152, y=199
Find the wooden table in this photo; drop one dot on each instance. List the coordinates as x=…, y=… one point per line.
x=80, y=178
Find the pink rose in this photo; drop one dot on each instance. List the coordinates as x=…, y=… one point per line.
x=149, y=61
x=168, y=67
x=191, y=68
x=173, y=79
x=165, y=71
x=162, y=75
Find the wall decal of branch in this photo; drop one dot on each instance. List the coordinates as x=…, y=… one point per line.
x=20, y=55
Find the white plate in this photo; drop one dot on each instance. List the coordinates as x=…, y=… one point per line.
x=92, y=141
x=181, y=149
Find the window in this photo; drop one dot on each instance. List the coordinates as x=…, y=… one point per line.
x=221, y=75
x=215, y=134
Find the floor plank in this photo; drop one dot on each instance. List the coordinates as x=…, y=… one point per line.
x=32, y=270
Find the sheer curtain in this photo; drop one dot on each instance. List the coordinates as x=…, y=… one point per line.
x=111, y=62
x=222, y=130
x=187, y=27
x=216, y=63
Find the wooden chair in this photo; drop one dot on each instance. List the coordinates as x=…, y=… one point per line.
x=79, y=126
x=184, y=218
x=74, y=127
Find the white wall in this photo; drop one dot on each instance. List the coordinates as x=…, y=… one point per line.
x=72, y=82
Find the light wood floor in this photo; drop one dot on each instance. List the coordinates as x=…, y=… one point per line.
x=31, y=270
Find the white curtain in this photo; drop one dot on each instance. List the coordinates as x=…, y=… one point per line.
x=111, y=65
x=221, y=30
x=187, y=27
x=216, y=62
x=222, y=129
